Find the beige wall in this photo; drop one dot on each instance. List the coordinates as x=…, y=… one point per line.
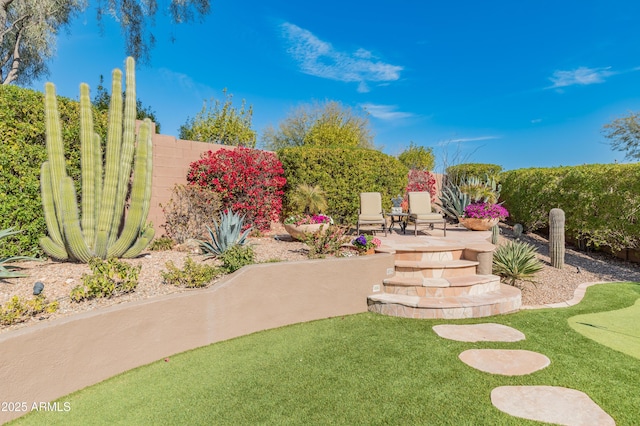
x=171, y=160
x=50, y=360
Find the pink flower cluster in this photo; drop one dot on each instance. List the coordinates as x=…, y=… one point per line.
x=485, y=211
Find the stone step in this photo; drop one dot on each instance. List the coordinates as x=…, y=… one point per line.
x=442, y=287
x=506, y=299
x=435, y=268
x=443, y=252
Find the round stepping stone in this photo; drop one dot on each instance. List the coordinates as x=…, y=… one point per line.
x=508, y=362
x=550, y=404
x=488, y=332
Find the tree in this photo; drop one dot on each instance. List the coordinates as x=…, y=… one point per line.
x=28, y=29
x=320, y=124
x=624, y=135
x=417, y=157
x=221, y=123
x=102, y=98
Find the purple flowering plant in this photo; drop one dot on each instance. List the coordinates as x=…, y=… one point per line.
x=366, y=242
x=485, y=211
x=307, y=219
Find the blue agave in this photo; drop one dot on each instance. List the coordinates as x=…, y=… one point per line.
x=225, y=235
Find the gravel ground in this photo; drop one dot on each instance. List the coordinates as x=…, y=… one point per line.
x=552, y=285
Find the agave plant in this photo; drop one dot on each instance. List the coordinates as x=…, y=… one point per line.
x=11, y=271
x=225, y=235
x=516, y=261
x=453, y=201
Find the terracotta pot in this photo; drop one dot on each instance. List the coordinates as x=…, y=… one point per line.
x=297, y=232
x=476, y=224
x=369, y=251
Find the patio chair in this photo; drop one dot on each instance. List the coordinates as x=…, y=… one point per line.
x=420, y=212
x=371, y=212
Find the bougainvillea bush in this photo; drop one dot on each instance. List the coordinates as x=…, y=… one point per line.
x=486, y=211
x=248, y=181
x=422, y=181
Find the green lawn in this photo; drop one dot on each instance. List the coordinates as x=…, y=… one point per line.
x=361, y=369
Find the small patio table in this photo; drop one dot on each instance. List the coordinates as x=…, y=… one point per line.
x=399, y=218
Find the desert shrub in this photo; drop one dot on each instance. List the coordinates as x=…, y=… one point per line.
x=343, y=173
x=22, y=152
x=516, y=261
x=109, y=278
x=16, y=310
x=457, y=173
x=189, y=211
x=600, y=201
x=161, y=244
x=192, y=274
x=325, y=241
x=422, y=181
x=237, y=257
x=248, y=181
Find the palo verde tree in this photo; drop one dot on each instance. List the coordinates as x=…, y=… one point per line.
x=624, y=135
x=327, y=124
x=28, y=29
x=222, y=123
x=417, y=157
x=111, y=225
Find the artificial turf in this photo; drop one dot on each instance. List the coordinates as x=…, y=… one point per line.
x=361, y=369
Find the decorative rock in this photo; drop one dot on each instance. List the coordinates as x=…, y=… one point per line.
x=37, y=288
x=550, y=404
x=488, y=332
x=507, y=362
x=189, y=246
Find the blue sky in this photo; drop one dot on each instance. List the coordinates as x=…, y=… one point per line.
x=520, y=84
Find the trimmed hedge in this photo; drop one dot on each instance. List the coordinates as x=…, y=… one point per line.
x=22, y=152
x=343, y=173
x=601, y=201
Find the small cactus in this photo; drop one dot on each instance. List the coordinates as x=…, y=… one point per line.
x=517, y=231
x=556, y=238
x=495, y=234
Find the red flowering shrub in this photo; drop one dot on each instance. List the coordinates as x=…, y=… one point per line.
x=422, y=181
x=248, y=181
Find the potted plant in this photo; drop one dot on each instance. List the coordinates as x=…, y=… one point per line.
x=482, y=216
x=300, y=224
x=366, y=244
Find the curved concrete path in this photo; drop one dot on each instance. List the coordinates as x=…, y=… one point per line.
x=550, y=404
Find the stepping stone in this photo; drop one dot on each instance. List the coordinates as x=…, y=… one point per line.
x=508, y=362
x=488, y=332
x=550, y=404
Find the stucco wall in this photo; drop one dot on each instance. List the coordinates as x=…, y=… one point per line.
x=50, y=360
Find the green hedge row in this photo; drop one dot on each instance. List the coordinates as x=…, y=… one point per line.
x=343, y=173
x=601, y=201
x=22, y=152
x=467, y=170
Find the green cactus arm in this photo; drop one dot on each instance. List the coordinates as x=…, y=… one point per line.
x=142, y=242
x=128, y=142
x=110, y=184
x=53, y=250
x=149, y=173
x=141, y=182
x=76, y=245
x=48, y=205
x=88, y=150
x=55, y=145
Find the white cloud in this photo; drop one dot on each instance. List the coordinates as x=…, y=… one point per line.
x=536, y=121
x=582, y=76
x=319, y=58
x=385, y=112
x=479, y=138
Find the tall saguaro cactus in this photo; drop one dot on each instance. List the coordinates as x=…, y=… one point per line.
x=100, y=232
x=556, y=238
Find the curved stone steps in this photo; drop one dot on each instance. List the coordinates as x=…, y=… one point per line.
x=507, y=299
